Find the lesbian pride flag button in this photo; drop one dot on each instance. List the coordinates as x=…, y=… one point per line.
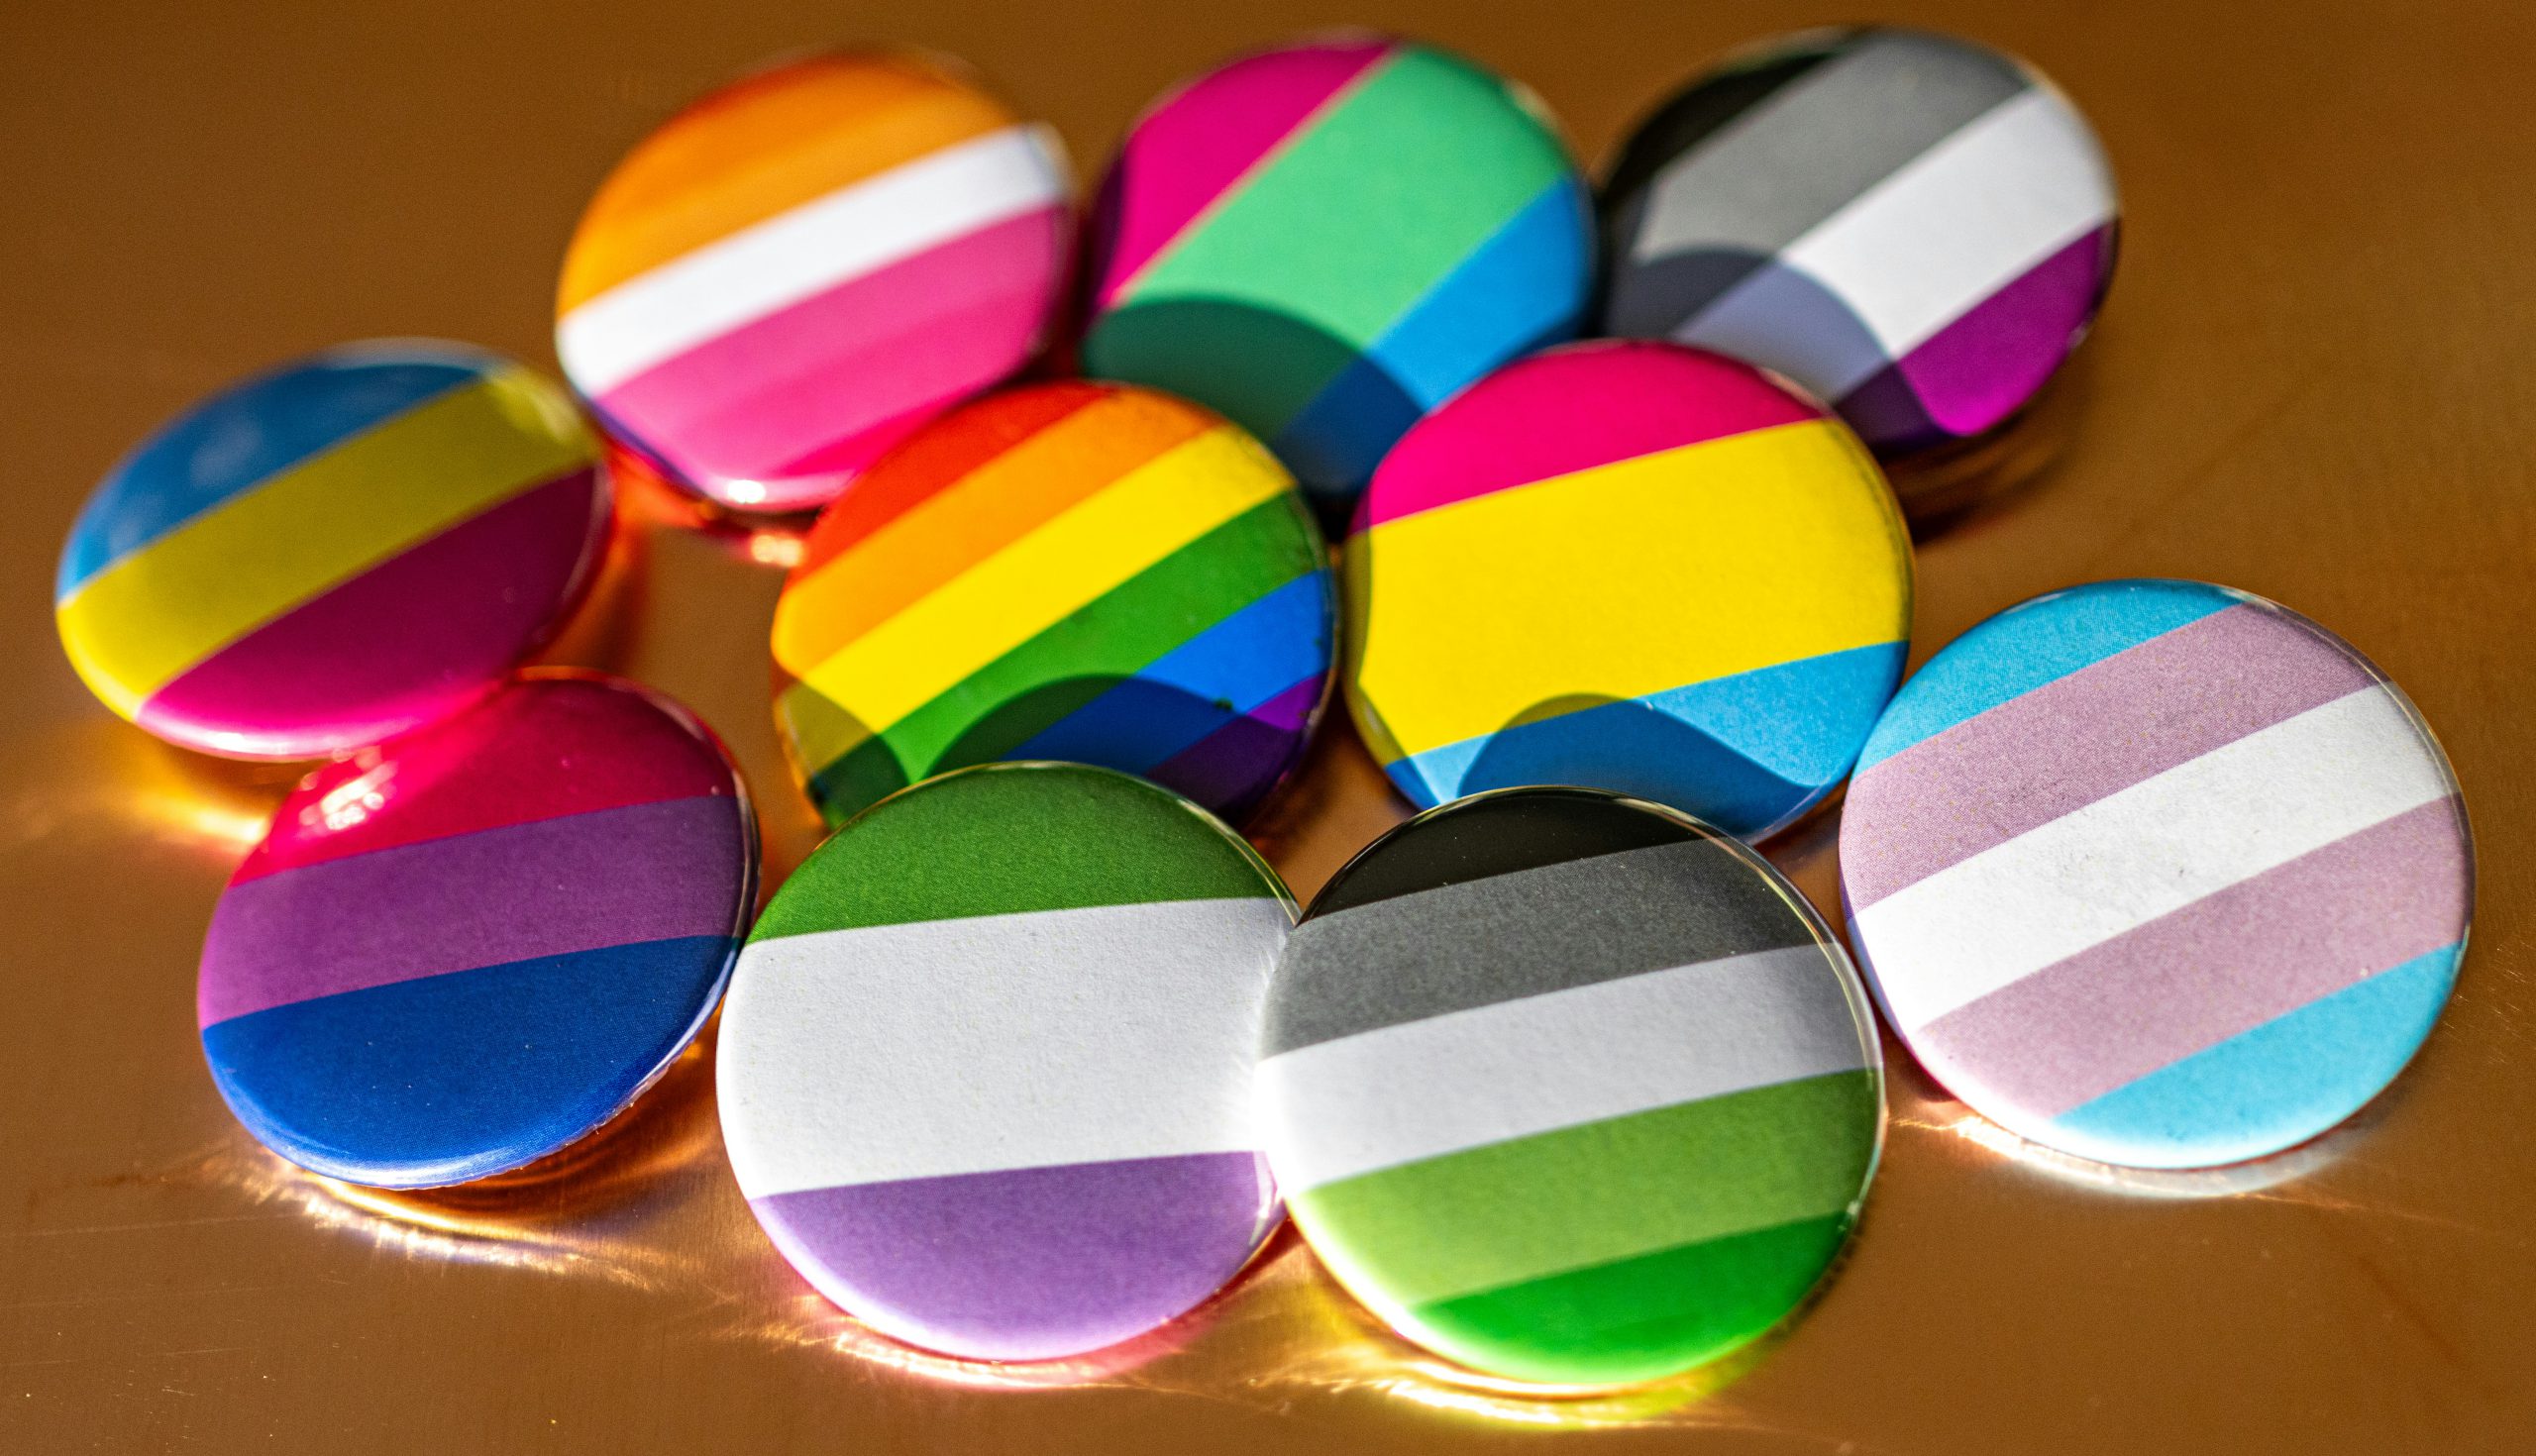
x=986, y=1067
x=801, y=268
x=464, y=949
x=2156, y=873
x=1632, y=566
x=335, y=552
x=1569, y=1088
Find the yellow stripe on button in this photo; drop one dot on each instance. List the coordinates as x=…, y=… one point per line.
x=1040, y=580
x=1623, y=580
x=139, y=623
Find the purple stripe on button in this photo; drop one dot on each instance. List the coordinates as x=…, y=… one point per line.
x=549, y=886
x=1982, y=368
x=2079, y=738
x=1033, y=1263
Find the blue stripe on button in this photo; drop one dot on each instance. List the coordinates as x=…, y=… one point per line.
x=448, y=1078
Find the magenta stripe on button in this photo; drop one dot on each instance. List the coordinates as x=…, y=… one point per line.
x=2080, y=737
x=1982, y=368
x=2225, y=964
x=579, y=882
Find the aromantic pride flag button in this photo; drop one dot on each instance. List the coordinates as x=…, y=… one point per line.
x=1633, y=567
x=804, y=267
x=466, y=948
x=1569, y=1088
x=335, y=552
x=1913, y=227
x=986, y=1067
x=2156, y=873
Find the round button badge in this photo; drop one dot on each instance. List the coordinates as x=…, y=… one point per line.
x=2158, y=874
x=461, y=950
x=1075, y=572
x=986, y=1067
x=1628, y=565
x=1916, y=227
x=351, y=544
x=1325, y=241
x=1569, y=1088
x=801, y=268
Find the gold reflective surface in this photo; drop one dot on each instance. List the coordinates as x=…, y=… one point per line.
x=2313, y=381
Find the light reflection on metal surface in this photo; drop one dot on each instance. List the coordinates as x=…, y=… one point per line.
x=2146, y=1183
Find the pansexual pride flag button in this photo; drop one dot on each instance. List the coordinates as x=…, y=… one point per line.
x=986, y=1067
x=460, y=951
x=1087, y=573
x=1569, y=1088
x=333, y=553
x=1913, y=227
x=1326, y=240
x=1632, y=566
x=804, y=267
x=2156, y=873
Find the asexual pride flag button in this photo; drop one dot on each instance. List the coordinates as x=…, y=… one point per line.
x=986, y=1067
x=464, y=949
x=1569, y=1088
x=2156, y=873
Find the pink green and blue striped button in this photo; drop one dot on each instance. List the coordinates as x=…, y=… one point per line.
x=461, y=950
x=335, y=552
x=2156, y=873
x=984, y=1072
x=802, y=267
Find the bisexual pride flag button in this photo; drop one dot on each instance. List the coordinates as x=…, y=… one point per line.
x=1325, y=240
x=1632, y=567
x=1569, y=1088
x=2156, y=873
x=464, y=949
x=1913, y=227
x=335, y=552
x=801, y=268
x=986, y=1067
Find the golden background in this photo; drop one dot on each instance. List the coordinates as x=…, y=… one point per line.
x=2313, y=380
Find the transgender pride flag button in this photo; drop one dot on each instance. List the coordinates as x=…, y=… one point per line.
x=985, y=1073
x=2156, y=873
x=457, y=952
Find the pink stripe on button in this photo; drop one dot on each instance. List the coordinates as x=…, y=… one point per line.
x=2079, y=738
x=2225, y=964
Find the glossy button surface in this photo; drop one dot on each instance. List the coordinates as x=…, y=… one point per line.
x=1916, y=227
x=1325, y=241
x=985, y=1067
x=1632, y=567
x=464, y=949
x=1568, y=1088
x=334, y=551
x=798, y=269
x=2156, y=873
x=1078, y=572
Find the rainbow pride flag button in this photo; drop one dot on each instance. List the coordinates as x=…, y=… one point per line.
x=1569, y=1088
x=1326, y=240
x=1087, y=573
x=1632, y=567
x=335, y=552
x=801, y=268
x=461, y=950
x=986, y=1067
x=1916, y=227
x=2158, y=874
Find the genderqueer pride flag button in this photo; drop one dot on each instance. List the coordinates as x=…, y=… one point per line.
x=335, y=552
x=458, y=951
x=1325, y=240
x=1632, y=567
x=986, y=1066
x=1569, y=1088
x=1913, y=227
x=2156, y=873
x=1086, y=572
x=801, y=268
